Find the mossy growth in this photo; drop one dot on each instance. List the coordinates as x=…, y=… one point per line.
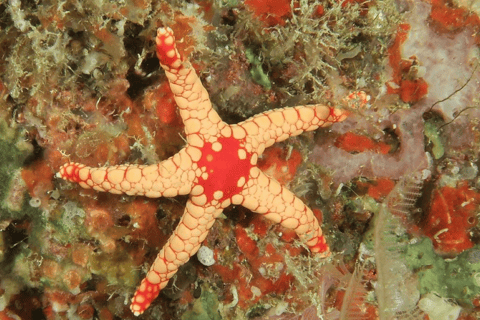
x=13, y=153
x=23, y=265
x=451, y=279
x=204, y=308
x=306, y=52
x=70, y=226
x=69, y=44
x=116, y=268
x=354, y=233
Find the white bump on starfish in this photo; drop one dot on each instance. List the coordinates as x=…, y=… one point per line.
x=200, y=200
x=241, y=182
x=216, y=146
x=226, y=132
x=226, y=203
x=218, y=195
x=153, y=277
x=197, y=190
x=242, y=154
x=195, y=140
x=238, y=132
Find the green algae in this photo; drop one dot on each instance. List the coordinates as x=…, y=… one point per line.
x=256, y=70
x=449, y=278
x=431, y=132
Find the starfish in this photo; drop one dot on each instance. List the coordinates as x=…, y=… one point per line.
x=217, y=167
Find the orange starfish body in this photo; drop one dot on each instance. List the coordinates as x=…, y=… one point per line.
x=217, y=168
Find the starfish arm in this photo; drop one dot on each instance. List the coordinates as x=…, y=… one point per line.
x=264, y=129
x=185, y=242
x=168, y=178
x=191, y=97
x=266, y=196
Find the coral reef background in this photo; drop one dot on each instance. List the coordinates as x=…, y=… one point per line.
x=79, y=81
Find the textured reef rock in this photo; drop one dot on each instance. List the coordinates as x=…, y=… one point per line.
x=79, y=81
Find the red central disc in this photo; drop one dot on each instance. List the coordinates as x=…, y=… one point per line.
x=224, y=168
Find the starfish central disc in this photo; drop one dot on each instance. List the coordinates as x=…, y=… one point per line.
x=227, y=165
